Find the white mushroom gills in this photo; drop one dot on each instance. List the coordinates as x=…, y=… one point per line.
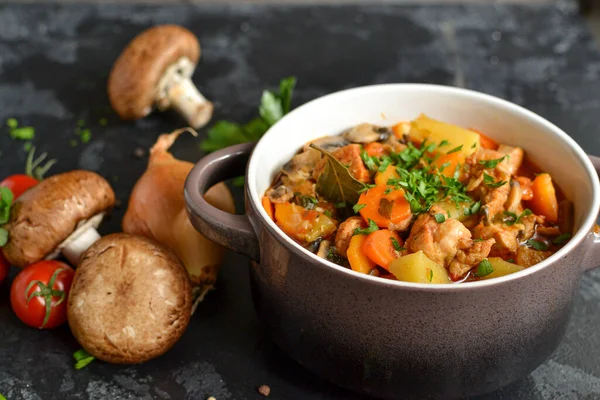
x=80, y=240
x=176, y=90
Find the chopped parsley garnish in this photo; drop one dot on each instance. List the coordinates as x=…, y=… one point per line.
x=562, y=239
x=439, y=218
x=357, y=207
x=388, y=190
x=307, y=202
x=430, y=275
x=82, y=358
x=474, y=145
x=491, y=182
x=328, y=213
x=537, y=245
x=370, y=229
x=443, y=143
x=511, y=218
x=474, y=209
x=367, y=187
x=491, y=164
x=478, y=240
x=371, y=162
x=455, y=150
x=484, y=268
x=396, y=245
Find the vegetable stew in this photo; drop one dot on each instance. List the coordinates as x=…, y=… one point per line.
x=421, y=201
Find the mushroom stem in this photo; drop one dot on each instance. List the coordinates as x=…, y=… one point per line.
x=190, y=103
x=78, y=245
x=79, y=241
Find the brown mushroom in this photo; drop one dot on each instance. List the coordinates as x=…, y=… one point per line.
x=155, y=70
x=130, y=300
x=60, y=214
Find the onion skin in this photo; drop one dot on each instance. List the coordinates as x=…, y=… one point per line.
x=156, y=210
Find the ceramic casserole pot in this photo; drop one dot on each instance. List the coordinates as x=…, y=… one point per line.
x=393, y=339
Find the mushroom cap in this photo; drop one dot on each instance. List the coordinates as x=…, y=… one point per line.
x=133, y=80
x=48, y=213
x=130, y=300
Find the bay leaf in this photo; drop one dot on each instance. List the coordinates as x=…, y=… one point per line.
x=336, y=183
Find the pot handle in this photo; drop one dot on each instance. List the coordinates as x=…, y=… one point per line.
x=232, y=231
x=592, y=259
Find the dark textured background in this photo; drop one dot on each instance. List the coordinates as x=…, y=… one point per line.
x=53, y=65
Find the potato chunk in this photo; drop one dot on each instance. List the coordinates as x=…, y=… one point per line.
x=416, y=267
x=435, y=132
x=501, y=268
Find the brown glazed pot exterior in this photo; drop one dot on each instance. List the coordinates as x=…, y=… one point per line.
x=389, y=341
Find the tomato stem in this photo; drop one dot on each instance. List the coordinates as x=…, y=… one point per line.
x=47, y=292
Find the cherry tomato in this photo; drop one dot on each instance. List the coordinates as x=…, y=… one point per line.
x=39, y=294
x=4, y=267
x=19, y=183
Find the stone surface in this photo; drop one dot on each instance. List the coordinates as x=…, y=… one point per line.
x=54, y=60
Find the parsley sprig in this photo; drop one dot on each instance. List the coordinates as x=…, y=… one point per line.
x=6, y=201
x=273, y=106
x=365, y=231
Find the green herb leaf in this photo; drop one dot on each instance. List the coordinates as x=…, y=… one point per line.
x=430, y=275
x=103, y=122
x=491, y=164
x=357, y=207
x=474, y=209
x=341, y=204
x=456, y=149
x=484, y=268
x=439, y=218
x=85, y=135
x=286, y=89
x=491, y=182
x=370, y=162
x=6, y=201
x=474, y=145
x=3, y=237
x=336, y=183
x=239, y=181
x=478, y=240
x=23, y=133
x=396, y=245
x=366, y=187
x=12, y=123
x=537, y=245
x=370, y=229
x=562, y=239
x=272, y=108
x=328, y=213
x=443, y=143
x=82, y=358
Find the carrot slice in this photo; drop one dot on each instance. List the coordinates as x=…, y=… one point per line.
x=384, y=208
x=450, y=162
x=359, y=262
x=544, y=200
x=268, y=206
x=486, y=142
x=374, y=149
x=399, y=129
x=379, y=247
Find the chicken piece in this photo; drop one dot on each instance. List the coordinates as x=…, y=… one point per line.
x=345, y=232
x=505, y=237
x=495, y=198
x=466, y=259
x=515, y=157
x=526, y=257
x=439, y=242
x=350, y=157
